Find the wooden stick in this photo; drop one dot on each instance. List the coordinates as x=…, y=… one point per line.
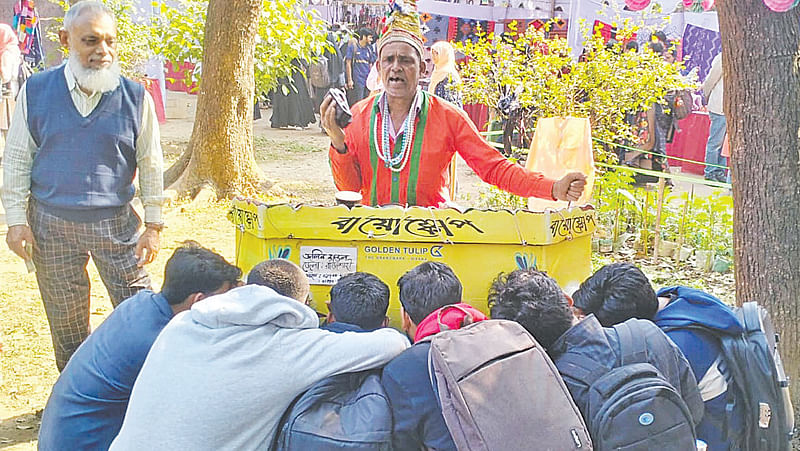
x=661, y=188
x=646, y=210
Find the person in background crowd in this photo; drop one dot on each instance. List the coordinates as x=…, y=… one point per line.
x=662, y=123
x=652, y=127
x=89, y=399
x=621, y=291
x=292, y=107
x=225, y=372
x=374, y=83
x=445, y=81
x=713, y=93
x=69, y=168
x=10, y=61
x=661, y=38
x=536, y=302
x=358, y=60
x=671, y=55
x=332, y=64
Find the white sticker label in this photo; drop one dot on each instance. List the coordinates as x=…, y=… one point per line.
x=326, y=265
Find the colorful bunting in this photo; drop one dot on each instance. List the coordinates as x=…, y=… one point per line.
x=637, y=5
x=26, y=24
x=780, y=6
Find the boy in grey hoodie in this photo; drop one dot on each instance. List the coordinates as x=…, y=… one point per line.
x=224, y=372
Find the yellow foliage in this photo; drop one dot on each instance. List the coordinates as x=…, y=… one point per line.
x=605, y=85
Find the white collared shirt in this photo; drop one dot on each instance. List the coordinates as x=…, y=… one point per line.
x=20, y=151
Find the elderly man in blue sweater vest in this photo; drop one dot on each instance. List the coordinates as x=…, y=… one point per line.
x=77, y=138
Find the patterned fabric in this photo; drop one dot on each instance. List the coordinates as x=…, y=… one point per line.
x=61, y=253
x=449, y=91
x=26, y=23
x=402, y=24
x=700, y=46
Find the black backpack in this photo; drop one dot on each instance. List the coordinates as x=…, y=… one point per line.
x=754, y=360
x=631, y=407
x=753, y=367
x=343, y=412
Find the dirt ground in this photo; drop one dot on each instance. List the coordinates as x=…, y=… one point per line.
x=296, y=160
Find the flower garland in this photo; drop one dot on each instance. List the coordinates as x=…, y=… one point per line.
x=396, y=163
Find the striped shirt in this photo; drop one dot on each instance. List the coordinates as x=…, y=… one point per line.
x=21, y=150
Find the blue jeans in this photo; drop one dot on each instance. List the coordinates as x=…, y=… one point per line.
x=716, y=137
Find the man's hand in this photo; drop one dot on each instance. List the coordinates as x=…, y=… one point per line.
x=570, y=187
x=350, y=84
x=147, y=247
x=327, y=116
x=18, y=237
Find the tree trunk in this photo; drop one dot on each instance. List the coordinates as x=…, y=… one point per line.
x=220, y=151
x=760, y=51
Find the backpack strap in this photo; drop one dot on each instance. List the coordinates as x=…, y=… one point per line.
x=751, y=317
x=580, y=368
x=632, y=349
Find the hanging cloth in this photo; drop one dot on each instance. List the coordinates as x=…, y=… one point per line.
x=29, y=32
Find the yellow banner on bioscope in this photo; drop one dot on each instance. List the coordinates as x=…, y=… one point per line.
x=328, y=242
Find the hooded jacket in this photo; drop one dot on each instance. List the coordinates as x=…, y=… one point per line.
x=221, y=375
x=688, y=310
x=418, y=420
x=602, y=344
x=452, y=318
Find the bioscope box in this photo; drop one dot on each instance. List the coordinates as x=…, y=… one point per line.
x=329, y=242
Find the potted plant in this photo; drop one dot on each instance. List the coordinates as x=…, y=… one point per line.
x=684, y=252
x=704, y=259
x=670, y=225
x=713, y=226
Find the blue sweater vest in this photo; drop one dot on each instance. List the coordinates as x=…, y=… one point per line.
x=84, y=167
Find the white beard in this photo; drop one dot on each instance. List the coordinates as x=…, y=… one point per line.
x=94, y=80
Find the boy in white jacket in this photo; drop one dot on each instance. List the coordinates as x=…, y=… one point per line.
x=221, y=375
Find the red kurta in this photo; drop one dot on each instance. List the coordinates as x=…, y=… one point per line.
x=447, y=130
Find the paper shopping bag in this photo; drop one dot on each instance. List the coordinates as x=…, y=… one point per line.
x=561, y=145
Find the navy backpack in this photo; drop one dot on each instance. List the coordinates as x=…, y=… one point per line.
x=752, y=365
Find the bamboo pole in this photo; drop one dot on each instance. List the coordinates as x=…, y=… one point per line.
x=660, y=205
x=646, y=210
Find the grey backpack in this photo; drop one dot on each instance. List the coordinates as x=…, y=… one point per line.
x=343, y=412
x=631, y=407
x=499, y=390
